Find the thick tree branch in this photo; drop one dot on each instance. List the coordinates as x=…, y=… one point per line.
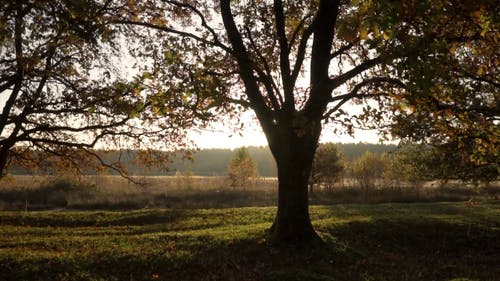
x=366, y=82
x=279, y=17
x=266, y=78
x=320, y=58
x=241, y=102
x=343, y=78
x=301, y=51
x=18, y=44
x=246, y=70
x=28, y=109
x=49, y=128
x=322, y=42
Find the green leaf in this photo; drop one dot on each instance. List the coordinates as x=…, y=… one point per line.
x=147, y=75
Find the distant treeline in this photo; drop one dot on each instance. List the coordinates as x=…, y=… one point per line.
x=205, y=162
x=214, y=162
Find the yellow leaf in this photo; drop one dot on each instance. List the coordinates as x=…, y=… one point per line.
x=480, y=71
x=376, y=31
x=363, y=32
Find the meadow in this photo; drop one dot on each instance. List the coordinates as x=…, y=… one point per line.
x=394, y=241
x=200, y=228
x=108, y=192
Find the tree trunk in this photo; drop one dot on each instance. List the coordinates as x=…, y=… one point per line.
x=292, y=225
x=4, y=155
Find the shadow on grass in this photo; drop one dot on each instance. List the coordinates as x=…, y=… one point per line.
x=399, y=247
x=249, y=259
x=92, y=219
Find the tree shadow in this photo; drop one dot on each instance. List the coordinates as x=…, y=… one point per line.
x=395, y=242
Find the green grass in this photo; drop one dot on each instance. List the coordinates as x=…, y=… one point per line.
x=421, y=241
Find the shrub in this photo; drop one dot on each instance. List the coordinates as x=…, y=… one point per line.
x=58, y=192
x=327, y=167
x=242, y=168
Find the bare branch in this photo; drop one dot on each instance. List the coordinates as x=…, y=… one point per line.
x=301, y=51
x=9, y=81
x=113, y=167
x=296, y=31
x=173, y=31
x=341, y=50
x=48, y=128
x=284, y=56
x=354, y=93
x=203, y=23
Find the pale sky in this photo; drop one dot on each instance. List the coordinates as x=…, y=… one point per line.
x=223, y=136
x=255, y=137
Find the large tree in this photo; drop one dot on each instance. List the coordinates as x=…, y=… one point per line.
x=297, y=63
x=62, y=91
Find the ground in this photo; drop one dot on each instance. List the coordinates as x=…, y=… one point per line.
x=419, y=241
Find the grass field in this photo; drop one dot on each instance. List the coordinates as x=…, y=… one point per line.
x=420, y=241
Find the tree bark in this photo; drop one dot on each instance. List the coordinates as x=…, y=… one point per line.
x=4, y=156
x=292, y=225
x=294, y=157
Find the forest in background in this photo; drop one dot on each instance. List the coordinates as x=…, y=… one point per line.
x=214, y=162
x=203, y=162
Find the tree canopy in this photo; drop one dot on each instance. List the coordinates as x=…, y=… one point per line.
x=64, y=89
x=432, y=63
x=452, y=83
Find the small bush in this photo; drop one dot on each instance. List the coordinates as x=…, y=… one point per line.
x=52, y=193
x=62, y=192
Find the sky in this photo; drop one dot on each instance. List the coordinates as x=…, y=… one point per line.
x=223, y=136
x=255, y=137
